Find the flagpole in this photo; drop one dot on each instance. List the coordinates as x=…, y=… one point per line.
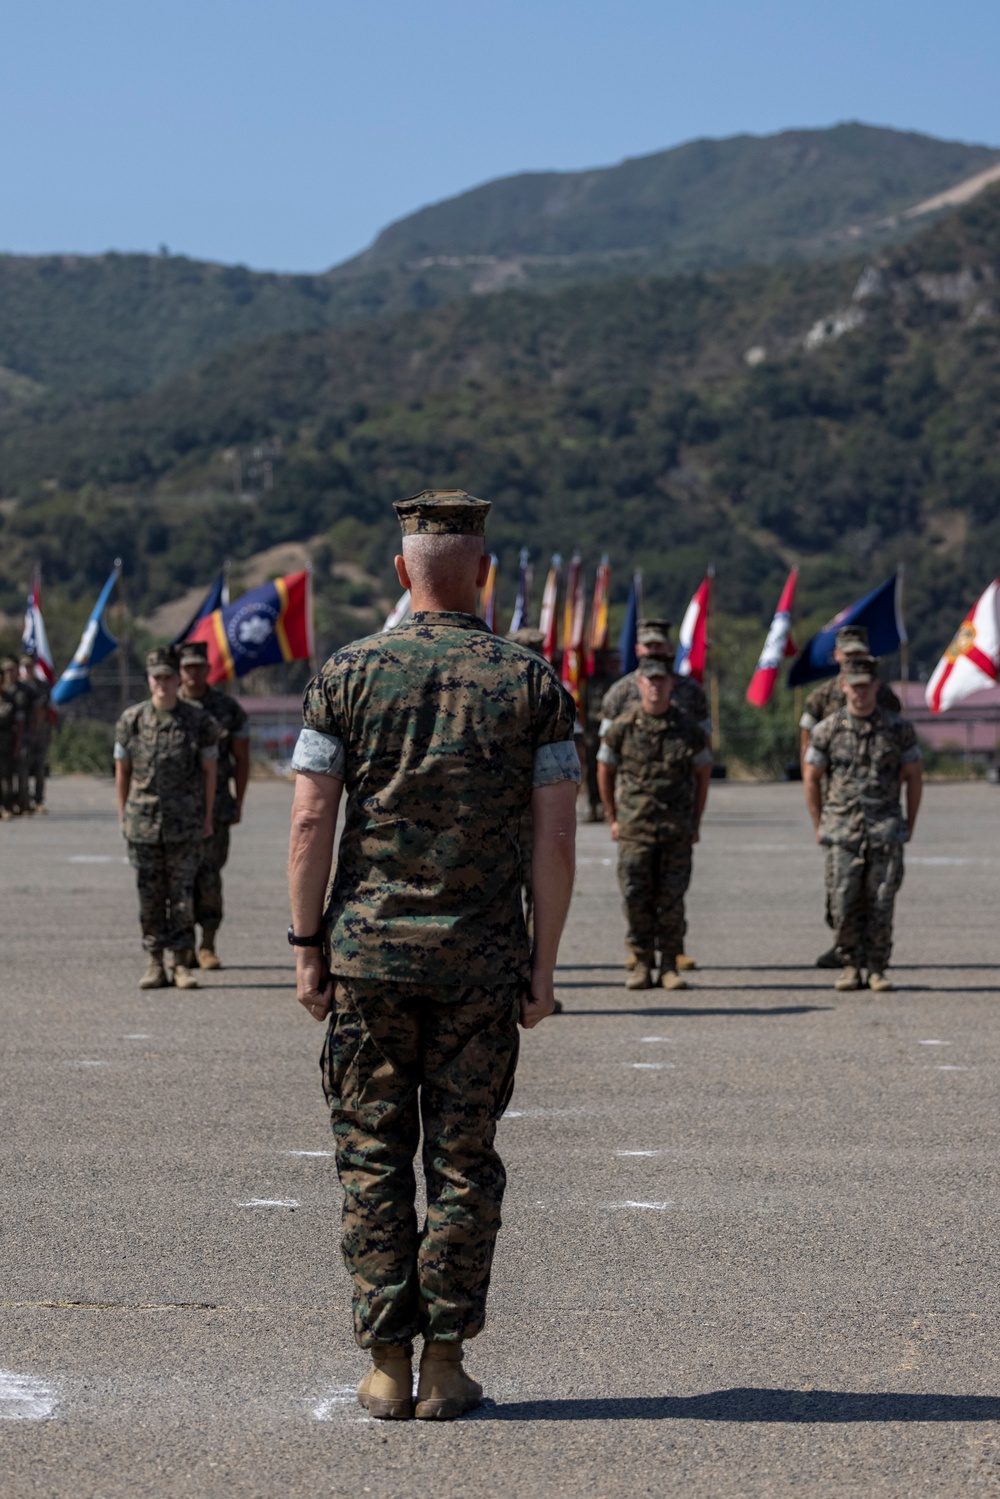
x=122, y=642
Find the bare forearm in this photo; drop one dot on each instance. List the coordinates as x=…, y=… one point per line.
x=552, y=870
x=310, y=853
x=702, y=778
x=606, y=787
x=813, y=783
x=123, y=779
x=210, y=775
x=241, y=754
x=914, y=792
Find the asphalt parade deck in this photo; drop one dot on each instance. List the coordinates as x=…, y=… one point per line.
x=750, y=1241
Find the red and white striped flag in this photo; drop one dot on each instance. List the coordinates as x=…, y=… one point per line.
x=33, y=636
x=548, y=621
x=777, y=646
x=972, y=661
x=573, y=668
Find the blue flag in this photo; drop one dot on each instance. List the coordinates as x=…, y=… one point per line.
x=216, y=597
x=630, y=629
x=96, y=644
x=520, y=616
x=878, y=611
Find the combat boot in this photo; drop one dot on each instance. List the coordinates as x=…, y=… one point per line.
x=829, y=959
x=206, y=952
x=640, y=977
x=6, y=815
x=880, y=984
x=684, y=964
x=155, y=976
x=630, y=959
x=849, y=978
x=386, y=1392
x=671, y=979
x=444, y=1390
x=183, y=977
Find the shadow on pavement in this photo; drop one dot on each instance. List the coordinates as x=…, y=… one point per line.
x=794, y=1406
x=681, y=1011
x=695, y=983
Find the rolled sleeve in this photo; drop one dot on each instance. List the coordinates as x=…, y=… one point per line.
x=814, y=756
x=703, y=757
x=209, y=752
x=807, y=721
x=605, y=726
x=606, y=756
x=322, y=754
x=121, y=753
x=243, y=732
x=912, y=755
x=554, y=763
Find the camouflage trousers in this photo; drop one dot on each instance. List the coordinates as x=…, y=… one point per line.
x=862, y=885
x=38, y=769
x=399, y=1056
x=165, y=875
x=8, y=772
x=653, y=880
x=208, y=880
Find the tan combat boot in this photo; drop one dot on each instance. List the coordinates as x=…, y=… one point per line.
x=640, y=977
x=630, y=959
x=155, y=976
x=684, y=964
x=671, y=979
x=849, y=978
x=386, y=1392
x=206, y=952
x=880, y=984
x=183, y=977
x=444, y=1390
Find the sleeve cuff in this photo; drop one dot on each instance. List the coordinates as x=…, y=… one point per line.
x=323, y=754
x=121, y=753
x=210, y=752
x=703, y=757
x=813, y=756
x=555, y=763
x=607, y=756
x=912, y=755
x=605, y=726
x=705, y=724
x=243, y=733
x=807, y=721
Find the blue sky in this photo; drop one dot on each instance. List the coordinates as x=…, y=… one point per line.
x=285, y=133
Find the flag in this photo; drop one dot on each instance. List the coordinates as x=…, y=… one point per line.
x=549, y=621
x=692, y=637
x=488, y=596
x=33, y=636
x=630, y=627
x=572, y=661
x=402, y=611
x=777, y=646
x=263, y=628
x=599, y=614
x=569, y=603
x=96, y=644
x=216, y=598
x=972, y=661
x=522, y=607
x=880, y=613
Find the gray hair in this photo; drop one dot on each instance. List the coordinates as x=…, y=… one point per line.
x=435, y=559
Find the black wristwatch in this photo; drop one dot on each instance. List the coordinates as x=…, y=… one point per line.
x=293, y=941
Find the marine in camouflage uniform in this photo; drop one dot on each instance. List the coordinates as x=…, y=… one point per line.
x=654, y=781
x=11, y=729
x=36, y=751
x=439, y=731
x=160, y=759
x=230, y=788
x=863, y=757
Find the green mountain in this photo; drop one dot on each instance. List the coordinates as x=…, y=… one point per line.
x=77, y=330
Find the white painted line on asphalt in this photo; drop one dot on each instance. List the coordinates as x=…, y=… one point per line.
x=269, y=1202
x=941, y=859
x=328, y=1409
x=933, y=1043
x=307, y=1152
x=138, y=1036
x=647, y=1039
x=656, y=1206
x=637, y=1152
x=86, y=1064
x=605, y=862
x=23, y=1397
x=648, y=1066
x=941, y=1067
x=97, y=859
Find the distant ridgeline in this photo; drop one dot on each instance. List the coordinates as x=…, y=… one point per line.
x=822, y=406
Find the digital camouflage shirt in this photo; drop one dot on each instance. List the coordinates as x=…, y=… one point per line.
x=439, y=730
x=233, y=724
x=166, y=800
x=864, y=760
x=686, y=694
x=655, y=757
x=829, y=696
x=11, y=716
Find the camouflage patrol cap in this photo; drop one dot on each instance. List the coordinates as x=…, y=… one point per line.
x=162, y=662
x=193, y=653
x=859, y=670
x=653, y=632
x=8, y=664
x=852, y=640
x=28, y=658
x=533, y=639
x=653, y=666
x=442, y=512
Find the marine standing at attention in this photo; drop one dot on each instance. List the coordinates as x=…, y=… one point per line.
x=866, y=754
x=851, y=640
x=165, y=764
x=230, y=789
x=654, y=769
x=653, y=639
x=11, y=730
x=442, y=734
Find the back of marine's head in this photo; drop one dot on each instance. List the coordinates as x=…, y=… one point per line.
x=443, y=531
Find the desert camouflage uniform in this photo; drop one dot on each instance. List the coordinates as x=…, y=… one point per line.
x=656, y=757
x=165, y=813
x=11, y=717
x=233, y=724
x=862, y=826
x=439, y=730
